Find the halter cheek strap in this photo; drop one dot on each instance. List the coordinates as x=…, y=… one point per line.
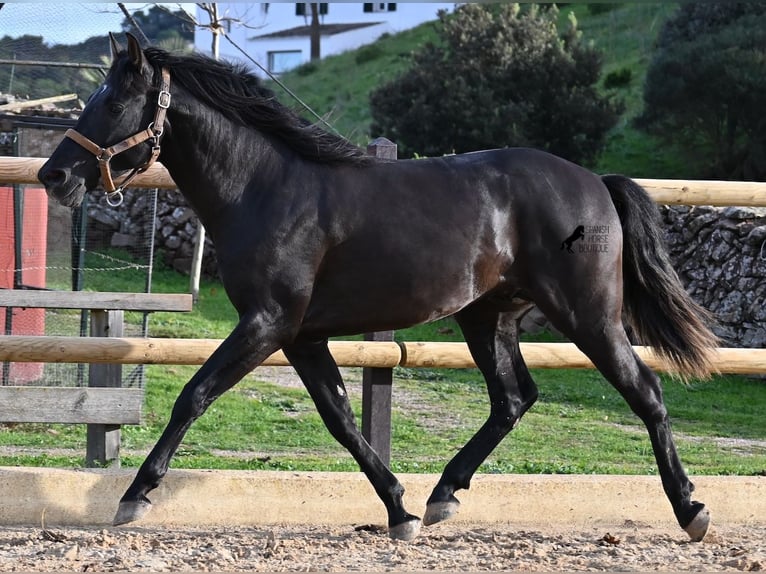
x=104, y=155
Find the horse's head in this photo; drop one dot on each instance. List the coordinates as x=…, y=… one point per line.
x=119, y=130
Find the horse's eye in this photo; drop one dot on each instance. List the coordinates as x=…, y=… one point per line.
x=116, y=108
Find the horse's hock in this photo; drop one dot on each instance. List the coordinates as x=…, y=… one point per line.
x=719, y=253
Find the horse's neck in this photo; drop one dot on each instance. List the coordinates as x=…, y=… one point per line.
x=213, y=162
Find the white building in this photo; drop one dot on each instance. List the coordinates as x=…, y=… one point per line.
x=277, y=35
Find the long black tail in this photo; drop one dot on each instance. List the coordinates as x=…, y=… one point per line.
x=657, y=306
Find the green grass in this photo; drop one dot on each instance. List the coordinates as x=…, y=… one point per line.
x=213, y=315
x=579, y=425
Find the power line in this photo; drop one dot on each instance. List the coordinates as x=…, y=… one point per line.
x=281, y=85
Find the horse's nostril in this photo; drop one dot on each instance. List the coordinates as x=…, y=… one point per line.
x=53, y=177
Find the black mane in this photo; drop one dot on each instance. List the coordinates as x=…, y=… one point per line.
x=238, y=94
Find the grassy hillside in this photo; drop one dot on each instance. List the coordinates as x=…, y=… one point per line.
x=338, y=87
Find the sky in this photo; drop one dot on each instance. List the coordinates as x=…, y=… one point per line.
x=66, y=22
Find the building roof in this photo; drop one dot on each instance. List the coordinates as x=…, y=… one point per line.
x=324, y=30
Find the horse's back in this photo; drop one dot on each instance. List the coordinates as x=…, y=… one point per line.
x=536, y=201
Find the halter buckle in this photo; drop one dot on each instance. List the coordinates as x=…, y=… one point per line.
x=163, y=99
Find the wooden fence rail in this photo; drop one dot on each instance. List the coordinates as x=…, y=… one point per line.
x=377, y=354
x=664, y=191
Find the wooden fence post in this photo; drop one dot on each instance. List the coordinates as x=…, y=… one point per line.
x=376, y=382
x=103, y=441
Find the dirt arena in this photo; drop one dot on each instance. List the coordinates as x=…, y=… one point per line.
x=332, y=548
x=226, y=521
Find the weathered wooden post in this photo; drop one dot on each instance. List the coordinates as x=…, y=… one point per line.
x=376, y=382
x=103, y=440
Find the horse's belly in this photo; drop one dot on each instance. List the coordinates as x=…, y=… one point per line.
x=388, y=300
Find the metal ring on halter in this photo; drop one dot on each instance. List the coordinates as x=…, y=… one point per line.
x=118, y=201
x=157, y=131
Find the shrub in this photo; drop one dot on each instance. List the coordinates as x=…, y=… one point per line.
x=499, y=76
x=618, y=79
x=600, y=7
x=706, y=85
x=368, y=53
x=306, y=69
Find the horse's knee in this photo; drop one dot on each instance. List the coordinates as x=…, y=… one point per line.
x=530, y=398
x=505, y=414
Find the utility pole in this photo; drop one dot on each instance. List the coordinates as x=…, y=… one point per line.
x=315, y=32
x=195, y=272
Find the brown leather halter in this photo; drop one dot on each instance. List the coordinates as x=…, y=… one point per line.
x=104, y=155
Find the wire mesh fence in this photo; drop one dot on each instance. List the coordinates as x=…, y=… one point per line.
x=46, y=246
x=52, y=56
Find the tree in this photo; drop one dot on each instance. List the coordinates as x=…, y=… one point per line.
x=39, y=82
x=706, y=86
x=499, y=76
x=160, y=24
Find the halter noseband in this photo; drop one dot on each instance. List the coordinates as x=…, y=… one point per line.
x=105, y=155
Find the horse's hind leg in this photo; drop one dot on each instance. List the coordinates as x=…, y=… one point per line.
x=642, y=390
x=319, y=373
x=601, y=336
x=492, y=338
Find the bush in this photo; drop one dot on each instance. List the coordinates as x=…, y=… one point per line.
x=499, y=76
x=618, y=79
x=306, y=69
x=706, y=85
x=368, y=53
x=601, y=7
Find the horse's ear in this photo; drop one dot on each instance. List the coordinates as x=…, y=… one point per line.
x=114, y=45
x=135, y=52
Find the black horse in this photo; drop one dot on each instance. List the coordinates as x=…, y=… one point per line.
x=315, y=239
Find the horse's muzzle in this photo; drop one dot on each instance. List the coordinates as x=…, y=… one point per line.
x=61, y=185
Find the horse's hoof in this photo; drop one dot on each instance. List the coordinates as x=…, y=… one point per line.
x=697, y=528
x=438, y=511
x=405, y=531
x=130, y=510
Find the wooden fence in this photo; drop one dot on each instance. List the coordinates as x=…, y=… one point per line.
x=373, y=354
x=370, y=354
x=663, y=191
x=103, y=405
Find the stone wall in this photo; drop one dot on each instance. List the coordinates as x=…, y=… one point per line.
x=175, y=227
x=719, y=253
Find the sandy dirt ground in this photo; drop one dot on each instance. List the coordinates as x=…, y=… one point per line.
x=627, y=547
x=444, y=547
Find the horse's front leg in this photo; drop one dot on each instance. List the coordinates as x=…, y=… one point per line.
x=252, y=340
x=319, y=373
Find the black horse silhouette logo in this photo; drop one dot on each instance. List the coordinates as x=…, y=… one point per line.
x=578, y=233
